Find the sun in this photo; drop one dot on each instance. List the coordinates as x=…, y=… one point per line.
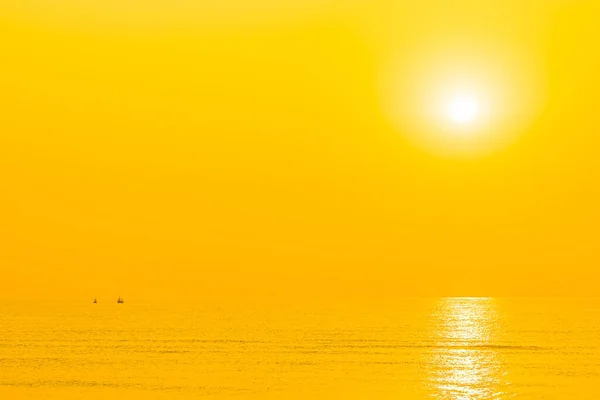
x=463, y=109
x=463, y=99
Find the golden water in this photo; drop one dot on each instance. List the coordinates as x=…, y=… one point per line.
x=447, y=348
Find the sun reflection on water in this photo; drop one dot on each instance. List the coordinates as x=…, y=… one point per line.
x=464, y=363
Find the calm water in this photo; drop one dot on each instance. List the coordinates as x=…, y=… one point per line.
x=449, y=348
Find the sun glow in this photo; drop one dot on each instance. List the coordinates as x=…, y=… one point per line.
x=464, y=100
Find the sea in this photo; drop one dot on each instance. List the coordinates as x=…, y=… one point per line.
x=413, y=348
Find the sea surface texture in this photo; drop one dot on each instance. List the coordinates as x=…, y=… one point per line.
x=445, y=348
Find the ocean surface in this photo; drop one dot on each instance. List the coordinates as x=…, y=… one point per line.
x=445, y=348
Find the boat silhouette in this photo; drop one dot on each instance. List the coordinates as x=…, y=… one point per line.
x=95, y=300
x=120, y=300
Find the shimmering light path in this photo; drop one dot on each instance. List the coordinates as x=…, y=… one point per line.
x=465, y=363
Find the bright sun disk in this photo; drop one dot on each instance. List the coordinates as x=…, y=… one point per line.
x=463, y=109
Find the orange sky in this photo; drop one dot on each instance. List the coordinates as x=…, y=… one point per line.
x=190, y=150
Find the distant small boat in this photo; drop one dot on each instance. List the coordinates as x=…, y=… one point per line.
x=120, y=300
x=95, y=300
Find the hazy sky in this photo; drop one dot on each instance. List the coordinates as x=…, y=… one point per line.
x=175, y=148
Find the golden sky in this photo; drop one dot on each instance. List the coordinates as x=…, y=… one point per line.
x=277, y=148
